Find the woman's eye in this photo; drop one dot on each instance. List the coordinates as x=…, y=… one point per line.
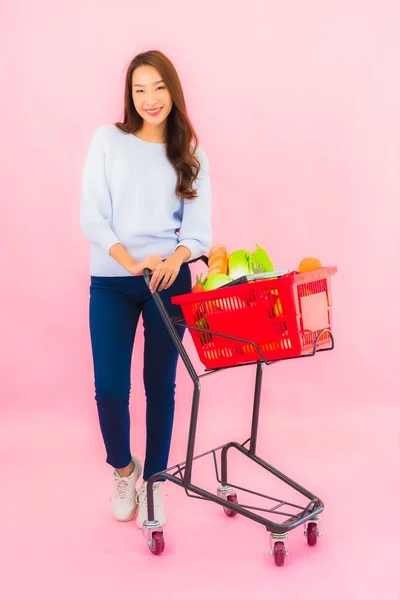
x=160, y=87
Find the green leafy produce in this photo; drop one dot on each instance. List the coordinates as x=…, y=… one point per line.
x=260, y=262
x=215, y=281
x=239, y=264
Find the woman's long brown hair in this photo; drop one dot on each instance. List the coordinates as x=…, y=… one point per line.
x=181, y=139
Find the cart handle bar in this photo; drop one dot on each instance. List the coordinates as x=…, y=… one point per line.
x=147, y=272
x=170, y=327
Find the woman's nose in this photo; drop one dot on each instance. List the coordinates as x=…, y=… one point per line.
x=150, y=99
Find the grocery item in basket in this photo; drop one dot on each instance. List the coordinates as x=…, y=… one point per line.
x=199, y=285
x=242, y=263
x=203, y=324
x=268, y=301
x=278, y=310
x=216, y=281
x=239, y=264
x=309, y=264
x=260, y=262
x=218, y=260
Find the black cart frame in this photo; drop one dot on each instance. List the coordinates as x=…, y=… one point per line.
x=181, y=474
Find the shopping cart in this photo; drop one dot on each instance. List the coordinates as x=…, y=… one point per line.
x=258, y=323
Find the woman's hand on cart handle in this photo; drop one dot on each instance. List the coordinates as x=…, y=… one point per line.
x=150, y=262
x=147, y=272
x=166, y=272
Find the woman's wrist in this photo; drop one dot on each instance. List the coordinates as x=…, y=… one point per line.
x=182, y=253
x=122, y=256
x=132, y=265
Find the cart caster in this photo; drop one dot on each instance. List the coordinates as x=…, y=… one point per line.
x=229, y=511
x=312, y=531
x=279, y=548
x=154, y=536
x=228, y=493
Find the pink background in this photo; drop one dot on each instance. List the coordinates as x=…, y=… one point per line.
x=297, y=106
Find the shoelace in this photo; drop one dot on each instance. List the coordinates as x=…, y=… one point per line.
x=122, y=489
x=141, y=498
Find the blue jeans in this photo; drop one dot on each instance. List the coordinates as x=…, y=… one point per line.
x=116, y=304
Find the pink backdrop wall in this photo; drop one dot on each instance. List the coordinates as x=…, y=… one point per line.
x=297, y=108
x=297, y=105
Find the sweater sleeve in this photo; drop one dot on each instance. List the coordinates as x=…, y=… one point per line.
x=95, y=214
x=195, y=231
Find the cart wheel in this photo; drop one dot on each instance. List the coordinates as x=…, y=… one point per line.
x=312, y=534
x=229, y=511
x=279, y=553
x=157, y=543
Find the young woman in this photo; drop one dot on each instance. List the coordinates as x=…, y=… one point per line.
x=145, y=204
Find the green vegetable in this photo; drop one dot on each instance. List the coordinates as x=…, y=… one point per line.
x=260, y=262
x=239, y=264
x=215, y=281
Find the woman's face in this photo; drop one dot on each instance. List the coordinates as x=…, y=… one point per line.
x=150, y=95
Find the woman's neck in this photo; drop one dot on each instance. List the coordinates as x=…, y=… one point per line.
x=153, y=135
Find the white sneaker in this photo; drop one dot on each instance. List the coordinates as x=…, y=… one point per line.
x=141, y=499
x=123, y=500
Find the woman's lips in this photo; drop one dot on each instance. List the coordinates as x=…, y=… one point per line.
x=154, y=112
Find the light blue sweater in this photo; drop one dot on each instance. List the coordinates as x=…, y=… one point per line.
x=128, y=197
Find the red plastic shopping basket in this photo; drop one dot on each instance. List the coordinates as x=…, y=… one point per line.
x=282, y=316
